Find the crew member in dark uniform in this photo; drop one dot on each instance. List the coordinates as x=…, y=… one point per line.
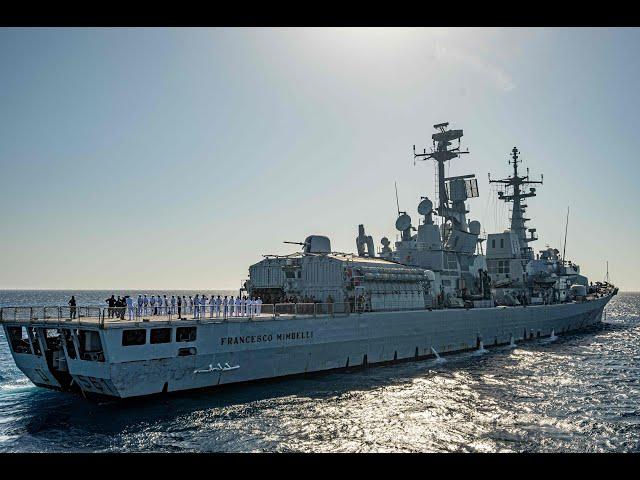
x=72, y=305
x=111, y=302
x=179, y=306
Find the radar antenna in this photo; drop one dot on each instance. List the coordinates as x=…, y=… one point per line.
x=452, y=191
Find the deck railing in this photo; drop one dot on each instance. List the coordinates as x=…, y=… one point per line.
x=114, y=315
x=118, y=315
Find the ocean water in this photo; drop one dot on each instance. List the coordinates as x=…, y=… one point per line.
x=580, y=393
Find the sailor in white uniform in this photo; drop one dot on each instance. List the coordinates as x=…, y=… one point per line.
x=173, y=304
x=217, y=305
x=145, y=302
x=258, y=306
x=250, y=310
x=232, y=302
x=225, y=307
x=166, y=305
x=212, y=305
x=196, y=305
x=190, y=309
x=238, y=305
x=203, y=306
x=130, y=307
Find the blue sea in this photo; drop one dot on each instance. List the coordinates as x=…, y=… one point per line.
x=580, y=393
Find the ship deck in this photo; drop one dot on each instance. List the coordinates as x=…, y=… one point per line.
x=61, y=317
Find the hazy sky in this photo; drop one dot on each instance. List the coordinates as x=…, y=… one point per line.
x=174, y=158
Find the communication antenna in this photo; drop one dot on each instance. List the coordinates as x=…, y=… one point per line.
x=397, y=202
x=566, y=227
x=606, y=278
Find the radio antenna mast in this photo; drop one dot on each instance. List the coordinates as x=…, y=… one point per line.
x=566, y=227
x=397, y=202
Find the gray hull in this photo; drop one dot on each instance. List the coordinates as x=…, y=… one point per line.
x=239, y=350
x=296, y=346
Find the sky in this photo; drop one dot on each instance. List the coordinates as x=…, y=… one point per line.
x=160, y=158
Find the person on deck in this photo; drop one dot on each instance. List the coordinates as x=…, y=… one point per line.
x=72, y=307
x=217, y=305
x=258, y=306
x=111, y=303
x=129, y=302
x=250, y=307
x=232, y=303
x=173, y=304
x=243, y=306
x=237, y=306
x=225, y=307
x=140, y=303
x=212, y=305
x=196, y=306
x=145, y=303
x=180, y=306
x=152, y=303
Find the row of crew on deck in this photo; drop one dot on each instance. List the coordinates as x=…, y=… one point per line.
x=198, y=306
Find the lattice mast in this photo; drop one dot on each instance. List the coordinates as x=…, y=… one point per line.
x=450, y=203
x=515, y=193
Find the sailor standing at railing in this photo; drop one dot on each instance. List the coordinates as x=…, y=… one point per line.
x=173, y=304
x=225, y=306
x=212, y=305
x=258, y=306
x=189, y=305
x=217, y=304
x=145, y=303
x=203, y=306
x=152, y=303
x=140, y=302
x=250, y=306
x=243, y=306
x=232, y=304
x=196, y=305
x=165, y=304
x=129, y=301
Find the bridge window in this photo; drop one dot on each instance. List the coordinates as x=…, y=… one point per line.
x=134, y=337
x=186, y=334
x=160, y=335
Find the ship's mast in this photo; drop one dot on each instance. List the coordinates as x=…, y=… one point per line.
x=441, y=153
x=516, y=195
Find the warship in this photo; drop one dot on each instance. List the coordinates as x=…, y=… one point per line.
x=441, y=288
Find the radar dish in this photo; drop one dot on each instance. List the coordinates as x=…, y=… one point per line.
x=385, y=241
x=425, y=207
x=403, y=222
